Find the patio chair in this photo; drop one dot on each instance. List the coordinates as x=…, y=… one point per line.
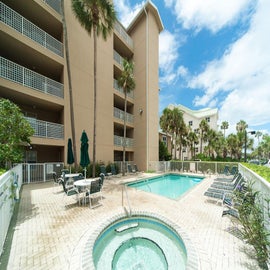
x=103, y=170
x=113, y=171
x=95, y=192
x=56, y=180
x=130, y=170
x=70, y=191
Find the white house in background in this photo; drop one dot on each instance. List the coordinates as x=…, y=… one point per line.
x=193, y=118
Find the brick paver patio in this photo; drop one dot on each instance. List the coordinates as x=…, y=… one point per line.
x=48, y=233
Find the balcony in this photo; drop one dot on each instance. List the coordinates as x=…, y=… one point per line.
x=30, y=30
x=118, y=58
x=119, y=141
x=120, y=89
x=26, y=77
x=46, y=129
x=122, y=32
x=120, y=115
x=55, y=4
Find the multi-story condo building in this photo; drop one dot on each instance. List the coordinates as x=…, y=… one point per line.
x=193, y=118
x=33, y=74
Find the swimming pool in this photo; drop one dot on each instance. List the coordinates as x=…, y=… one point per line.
x=172, y=186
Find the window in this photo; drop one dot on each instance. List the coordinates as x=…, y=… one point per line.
x=190, y=123
x=164, y=139
x=196, y=149
x=207, y=119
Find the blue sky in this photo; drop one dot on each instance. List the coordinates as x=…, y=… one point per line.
x=213, y=54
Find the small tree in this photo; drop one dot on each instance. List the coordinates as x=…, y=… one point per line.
x=15, y=131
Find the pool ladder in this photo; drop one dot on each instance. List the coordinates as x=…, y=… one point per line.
x=124, y=190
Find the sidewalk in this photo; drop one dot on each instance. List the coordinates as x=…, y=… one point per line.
x=47, y=233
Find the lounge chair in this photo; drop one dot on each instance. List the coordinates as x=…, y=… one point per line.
x=229, y=186
x=231, y=212
x=220, y=193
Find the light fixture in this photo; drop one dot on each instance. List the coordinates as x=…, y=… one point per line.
x=140, y=111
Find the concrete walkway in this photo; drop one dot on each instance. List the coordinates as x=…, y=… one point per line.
x=48, y=233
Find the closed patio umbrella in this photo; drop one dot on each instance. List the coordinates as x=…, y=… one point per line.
x=85, y=160
x=70, y=156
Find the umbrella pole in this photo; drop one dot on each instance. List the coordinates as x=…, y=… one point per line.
x=85, y=172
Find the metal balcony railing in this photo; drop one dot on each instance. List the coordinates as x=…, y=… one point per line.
x=26, y=28
x=55, y=4
x=122, y=32
x=120, y=115
x=120, y=89
x=118, y=58
x=46, y=129
x=26, y=77
x=119, y=141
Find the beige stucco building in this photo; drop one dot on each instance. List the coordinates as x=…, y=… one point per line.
x=34, y=76
x=192, y=118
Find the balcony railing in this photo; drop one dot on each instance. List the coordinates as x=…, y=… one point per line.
x=120, y=89
x=122, y=32
x=26, y=28
x=119, y=141
x=46, y=129
x=55, y=4
x=26, y=77
x=118, y=58
x=120, y=115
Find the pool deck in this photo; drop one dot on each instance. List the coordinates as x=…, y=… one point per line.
x=50, y=234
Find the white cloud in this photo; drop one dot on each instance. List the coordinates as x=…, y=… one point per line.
x=210, y=14
x=169, y=45
x=243, y=72
x=126, y=13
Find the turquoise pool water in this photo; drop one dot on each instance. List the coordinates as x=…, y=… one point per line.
x=171, y=186
x=139, y=243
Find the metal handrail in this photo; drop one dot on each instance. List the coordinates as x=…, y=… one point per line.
x=124, y=188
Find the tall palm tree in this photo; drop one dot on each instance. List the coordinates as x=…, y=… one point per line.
x=97, y=17
x=224, y=126
x=165, y=122
x=204, y=127
x=127, y=82
x=72, y=121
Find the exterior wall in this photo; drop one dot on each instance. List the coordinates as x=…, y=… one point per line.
x=52, y=110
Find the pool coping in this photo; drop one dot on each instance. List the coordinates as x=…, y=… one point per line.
x=84, y=248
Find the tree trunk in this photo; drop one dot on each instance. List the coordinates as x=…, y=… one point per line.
x=95, y=102
x=125, y=131
x=72, y=121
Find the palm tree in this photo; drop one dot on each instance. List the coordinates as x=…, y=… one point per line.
x=165, y=122
x=258, y=135
x=127, y=82
x=224, y=126
x=204, y=127
x=192, y=139
x=72, y=121
x=97, y=16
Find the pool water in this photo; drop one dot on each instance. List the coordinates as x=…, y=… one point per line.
x=139, y=243
x=171, y=186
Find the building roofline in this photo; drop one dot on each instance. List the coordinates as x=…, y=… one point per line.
x=149, y=6
x=196, y=113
